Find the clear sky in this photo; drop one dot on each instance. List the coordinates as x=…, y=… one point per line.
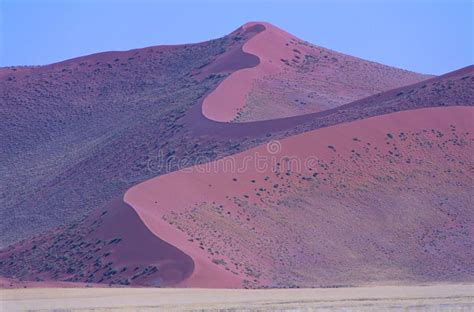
x=428, y=36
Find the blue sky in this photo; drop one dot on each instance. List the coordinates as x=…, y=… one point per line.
x=428, y=36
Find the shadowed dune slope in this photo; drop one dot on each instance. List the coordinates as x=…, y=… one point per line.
x=111, y=246
x=385, y=199
x=295, y=77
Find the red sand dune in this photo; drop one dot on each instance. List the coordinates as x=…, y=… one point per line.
x=295, y=77
x=381, y=200
x=104, y=117
x=81, y=132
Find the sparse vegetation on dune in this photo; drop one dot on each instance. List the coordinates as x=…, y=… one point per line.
x=316, y=79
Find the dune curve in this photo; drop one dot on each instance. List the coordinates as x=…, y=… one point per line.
x=228, y=98
x=205, y=273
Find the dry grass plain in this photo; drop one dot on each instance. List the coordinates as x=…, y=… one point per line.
x=452, y=297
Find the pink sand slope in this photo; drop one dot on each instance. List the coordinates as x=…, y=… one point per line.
x=269, y=45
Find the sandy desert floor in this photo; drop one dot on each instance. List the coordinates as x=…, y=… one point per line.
x=456, y=297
